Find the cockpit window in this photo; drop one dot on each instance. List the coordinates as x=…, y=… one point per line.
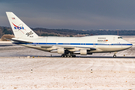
x=119, y=37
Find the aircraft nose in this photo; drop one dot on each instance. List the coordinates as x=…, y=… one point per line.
x=130, y=44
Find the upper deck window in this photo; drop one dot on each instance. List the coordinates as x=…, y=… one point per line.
x=119, y=37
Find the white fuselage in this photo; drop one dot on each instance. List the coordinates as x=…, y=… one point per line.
x=100, y=43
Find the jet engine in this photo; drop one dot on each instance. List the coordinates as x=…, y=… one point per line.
x=60, y=50
x=83, y=51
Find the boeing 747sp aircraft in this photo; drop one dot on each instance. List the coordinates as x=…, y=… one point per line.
x=67, y=46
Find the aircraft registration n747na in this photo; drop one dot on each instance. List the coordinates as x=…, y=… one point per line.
x=67, y=46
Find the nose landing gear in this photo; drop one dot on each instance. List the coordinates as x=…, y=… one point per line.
x=115, y=54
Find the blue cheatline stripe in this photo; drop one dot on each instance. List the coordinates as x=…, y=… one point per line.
x=75, y=44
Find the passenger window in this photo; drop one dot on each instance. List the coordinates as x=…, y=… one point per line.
x=101, y=37
x=119, y=37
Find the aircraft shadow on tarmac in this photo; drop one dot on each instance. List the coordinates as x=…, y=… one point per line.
x=100, y=57
x=5, y=45
x=56, y=56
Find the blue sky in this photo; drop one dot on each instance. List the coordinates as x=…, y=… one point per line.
x=72, y=14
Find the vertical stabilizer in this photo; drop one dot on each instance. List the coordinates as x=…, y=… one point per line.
x=20, y=29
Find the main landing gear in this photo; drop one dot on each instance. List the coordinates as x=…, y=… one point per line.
x=68, y=54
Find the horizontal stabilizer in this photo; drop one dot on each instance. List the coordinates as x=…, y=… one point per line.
x=19, y=41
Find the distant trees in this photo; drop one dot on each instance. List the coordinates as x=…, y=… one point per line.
x=68, y=32
x=6, y=37
x=5, y=30
x=45, y=34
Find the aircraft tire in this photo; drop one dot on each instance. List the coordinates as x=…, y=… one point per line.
x=73, y=55
x=68, y=55
x=114, y=56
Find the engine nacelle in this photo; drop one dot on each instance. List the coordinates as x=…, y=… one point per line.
x=83, y=51
x=61, y=51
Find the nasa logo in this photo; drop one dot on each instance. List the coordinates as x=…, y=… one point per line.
x=17, y=27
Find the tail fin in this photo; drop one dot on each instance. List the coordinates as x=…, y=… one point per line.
x=20, y=29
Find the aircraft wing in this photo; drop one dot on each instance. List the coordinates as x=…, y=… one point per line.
x=88, y=48
x=46, y=46
x=19, y=41
x=70, y=48
x=75, y=47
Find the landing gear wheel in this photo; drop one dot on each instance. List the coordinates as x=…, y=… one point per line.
x=73, y=55
x=63, y=55
x=68, y=55
x=114, y=55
